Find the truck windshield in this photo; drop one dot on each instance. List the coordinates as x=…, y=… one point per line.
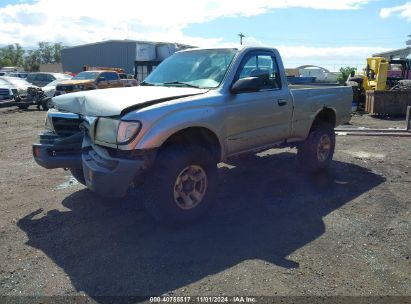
x=195, y=68
x=86, y=76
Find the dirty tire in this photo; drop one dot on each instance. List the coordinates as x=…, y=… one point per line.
x=312, y=153
x=162, y=184
x=78, y=175
x=46, y=104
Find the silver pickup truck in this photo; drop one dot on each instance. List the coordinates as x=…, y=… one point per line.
x=197, y=108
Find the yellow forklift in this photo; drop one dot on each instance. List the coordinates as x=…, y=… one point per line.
x=378, y=76
x=378, y=84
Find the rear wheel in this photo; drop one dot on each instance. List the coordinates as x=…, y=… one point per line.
x=181, y=185
x=316, y=152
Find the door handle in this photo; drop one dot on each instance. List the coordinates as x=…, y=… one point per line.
x=281, y=102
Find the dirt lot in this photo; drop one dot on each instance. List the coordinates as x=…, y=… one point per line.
x=274, y=229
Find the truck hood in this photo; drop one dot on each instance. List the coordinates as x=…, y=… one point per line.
x=77, y=81
x=112, y=102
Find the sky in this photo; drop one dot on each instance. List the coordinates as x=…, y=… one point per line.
x=330, y=33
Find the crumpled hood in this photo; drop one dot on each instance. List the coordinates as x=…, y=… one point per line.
x=111, y=102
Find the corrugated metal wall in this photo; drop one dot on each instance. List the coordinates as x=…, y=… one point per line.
x=118, y=54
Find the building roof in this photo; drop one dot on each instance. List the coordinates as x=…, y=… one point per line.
x=129, y=40
x=400, y=52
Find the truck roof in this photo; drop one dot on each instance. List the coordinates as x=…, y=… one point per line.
x=99, y=71
x=236, y=47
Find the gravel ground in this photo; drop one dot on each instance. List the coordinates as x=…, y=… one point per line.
x=274, y=230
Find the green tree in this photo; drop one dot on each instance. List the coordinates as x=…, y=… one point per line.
x=15, y=55
x=32, y=62
x=50, y=53
x=344, y=73
x=46, y=52
x=57, y=52
x=12, y=55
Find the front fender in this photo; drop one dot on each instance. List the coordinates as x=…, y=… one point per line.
x=166, y=126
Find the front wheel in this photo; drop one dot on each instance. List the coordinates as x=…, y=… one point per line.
x=23, y=106
x=316, y=152
x=46, y=103
x=181, y=185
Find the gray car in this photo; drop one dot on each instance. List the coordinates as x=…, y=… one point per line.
x=41, y=79
x=18, y=86
x=6, y=91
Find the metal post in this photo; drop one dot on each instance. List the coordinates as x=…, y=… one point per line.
x=408, y=119
x=241, y=37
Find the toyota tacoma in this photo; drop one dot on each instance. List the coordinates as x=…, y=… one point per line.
x=199, y=107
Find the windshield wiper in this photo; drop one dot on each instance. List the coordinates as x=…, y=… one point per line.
x=182, y=83
x=145, y=83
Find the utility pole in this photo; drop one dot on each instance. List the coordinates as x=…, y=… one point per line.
x=241, y=37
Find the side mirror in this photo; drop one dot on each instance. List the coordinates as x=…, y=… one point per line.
x=352, y=74
x=248, y=84
x=101, y=78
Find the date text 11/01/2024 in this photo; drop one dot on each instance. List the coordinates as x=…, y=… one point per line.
x=203, y=299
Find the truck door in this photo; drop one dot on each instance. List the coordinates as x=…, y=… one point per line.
x=257, y=119
x=111, y=80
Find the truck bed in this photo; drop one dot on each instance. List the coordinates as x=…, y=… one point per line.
x=309, y=99
x=312, y=86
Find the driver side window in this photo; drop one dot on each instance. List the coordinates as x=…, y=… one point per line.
x=108, y=76
x=263, y=66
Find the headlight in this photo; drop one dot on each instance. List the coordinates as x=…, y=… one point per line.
x=116, y=132
x=48, y=123
x=127, y=131
x=106, y=130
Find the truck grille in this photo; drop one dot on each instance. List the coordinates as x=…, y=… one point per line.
x=4, y=92
x=66, y=126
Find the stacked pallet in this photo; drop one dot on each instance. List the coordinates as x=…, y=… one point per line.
x=392, y=103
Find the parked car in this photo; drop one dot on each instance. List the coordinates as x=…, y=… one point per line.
x=94, y=79
x=36, y=96
x=6, y=91
x=197, y=108
x=41, y=79
x=50, y=89
x=41, y=97
x=18, y=74
x=5, y=71
x=128, y=80
x=18, y=85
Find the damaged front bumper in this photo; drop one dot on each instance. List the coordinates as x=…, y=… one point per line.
x=54, y=151
x=108, y=172
x=112, y=176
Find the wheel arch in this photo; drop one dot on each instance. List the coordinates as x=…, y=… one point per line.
x=325, y=115
x=196, y=135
